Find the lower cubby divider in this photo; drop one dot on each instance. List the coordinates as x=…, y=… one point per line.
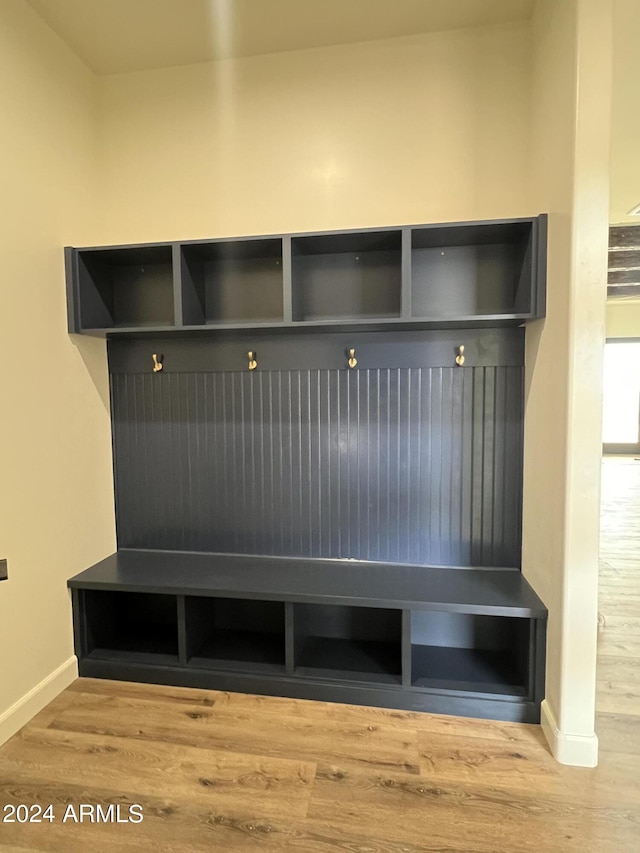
x=406, y=649
x=182, y=631
x=289, y=634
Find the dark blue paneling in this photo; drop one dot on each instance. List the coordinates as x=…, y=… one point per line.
x=419, y=465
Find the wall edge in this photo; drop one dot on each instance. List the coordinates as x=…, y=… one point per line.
x=22, y=711
x=567, y=748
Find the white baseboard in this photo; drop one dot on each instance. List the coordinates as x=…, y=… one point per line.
x=577, y=750
x=19, y=714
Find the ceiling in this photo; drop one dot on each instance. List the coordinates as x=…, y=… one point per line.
x=119, y=36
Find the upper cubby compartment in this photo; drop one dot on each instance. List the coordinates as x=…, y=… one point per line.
x=474, y=270
x=349, y=276
x=420, y=276
x=232, y=282
x=123, y=287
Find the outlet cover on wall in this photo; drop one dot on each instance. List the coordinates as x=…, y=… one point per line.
x=3, y=570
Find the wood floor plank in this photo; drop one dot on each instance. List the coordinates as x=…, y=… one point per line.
x=225, y=728
x=487, y=819
x=352, y=805
x=262, y=785
x=615, y=697
x=626, y=609
x=250, y=704
x=618, y=644
x=618, y=673
x=621, y=624
x=49, y=713
x=256, y=705
x=618, y=668
x=523, y=767
x=466, y=727
x=169, y=824
x=619, y=733
x=489, y=760
x=621, y=569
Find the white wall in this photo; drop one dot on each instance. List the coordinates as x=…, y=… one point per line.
x=56, y=504
x=570, y=164
x=623, y=319
x=419, y=129
x=625, y=116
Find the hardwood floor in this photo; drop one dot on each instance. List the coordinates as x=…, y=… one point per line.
x=619, y=643
x=225, y=772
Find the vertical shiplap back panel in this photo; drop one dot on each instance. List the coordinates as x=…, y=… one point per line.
x=417, y=465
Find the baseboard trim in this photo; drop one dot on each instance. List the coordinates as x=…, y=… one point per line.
x=576, y=750
x=19, y=714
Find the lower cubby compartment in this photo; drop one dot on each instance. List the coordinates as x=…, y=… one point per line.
x=470, y=653
x=235, y=634
x=445, y=641
x=348, y=643
x=131, y=626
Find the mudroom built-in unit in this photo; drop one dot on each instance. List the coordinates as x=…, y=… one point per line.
x=318, y=462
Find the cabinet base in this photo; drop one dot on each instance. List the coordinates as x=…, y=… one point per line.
x=513, y=710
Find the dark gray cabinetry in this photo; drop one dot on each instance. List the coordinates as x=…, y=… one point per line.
x=319, y=494
x=120, y=287
x=446, y=640
x=347, y=276
x=478, y=273
x=237, y=282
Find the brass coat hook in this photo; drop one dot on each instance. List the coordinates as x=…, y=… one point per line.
x=460, y=356
x=352, y=358
x=157, y=363
x=252, y=360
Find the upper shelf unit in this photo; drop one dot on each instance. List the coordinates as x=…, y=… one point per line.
x=471, y=274
x=355, y=276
